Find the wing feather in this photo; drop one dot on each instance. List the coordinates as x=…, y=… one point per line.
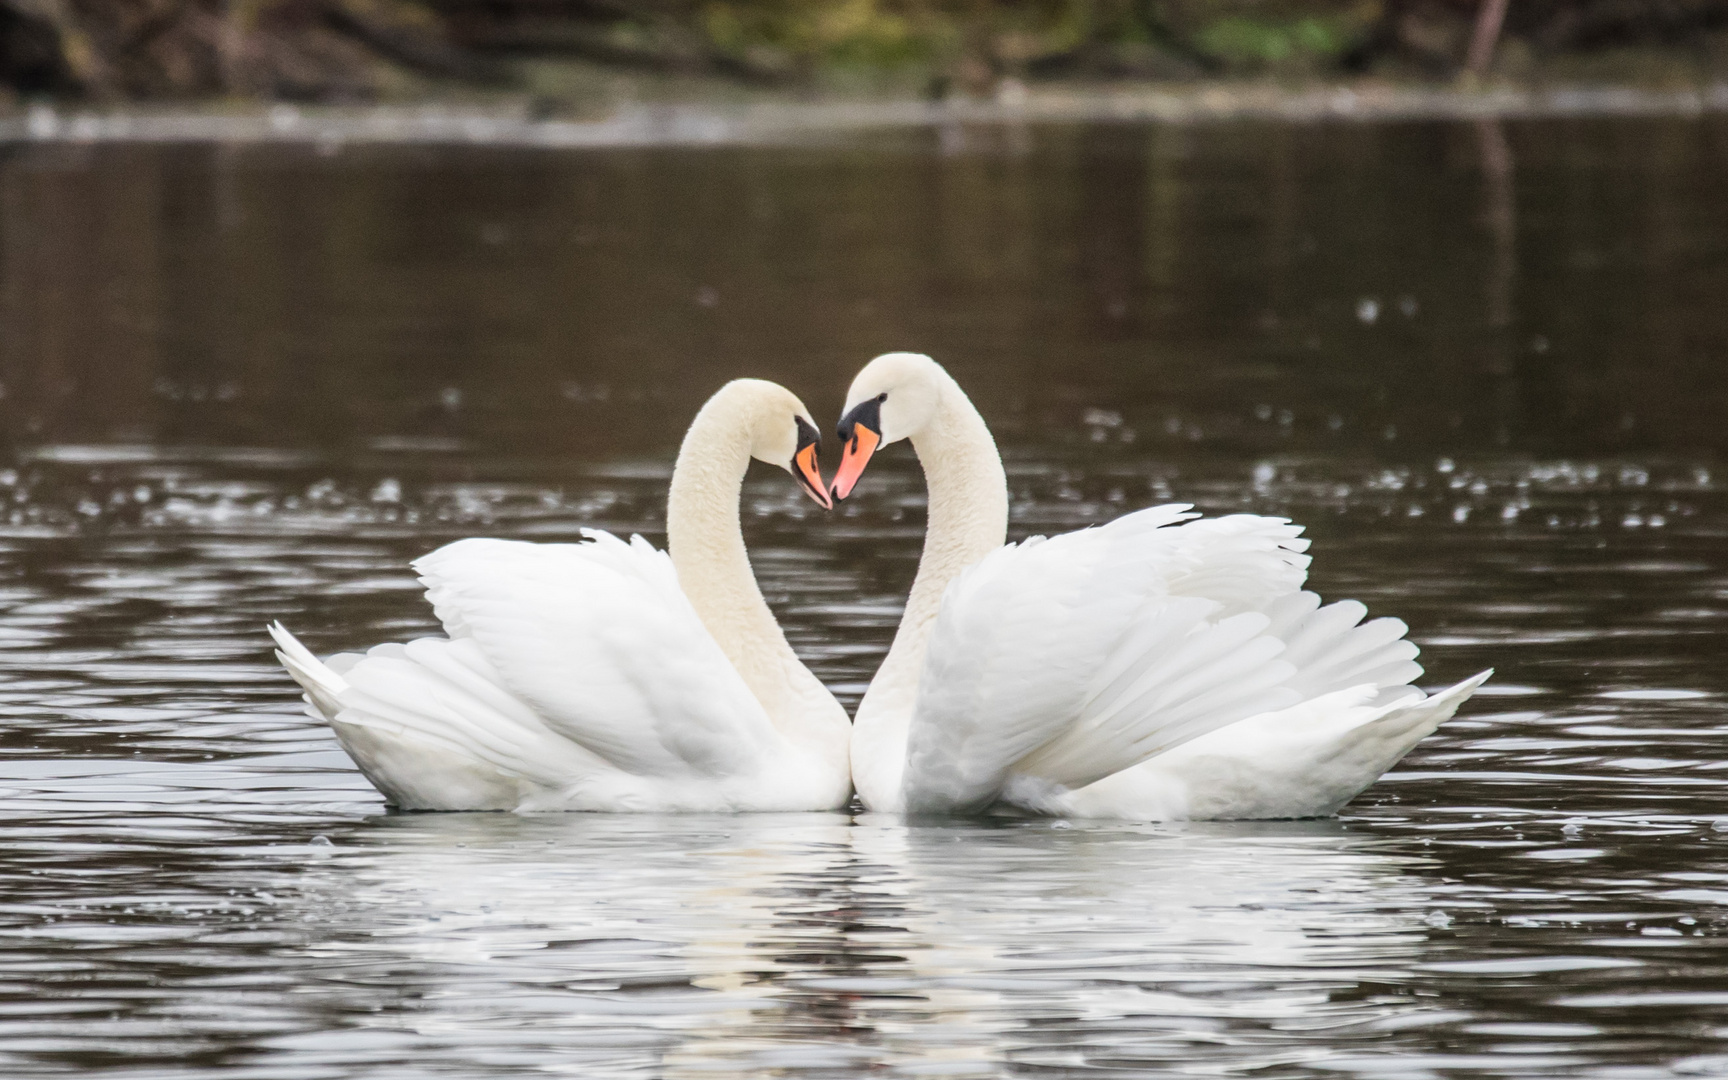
x=1005, y=659
x=1059, y=663
x=1333, y=649
x=1085, y=653
x=598, y=641
x=1304, y=761
x=426, y=729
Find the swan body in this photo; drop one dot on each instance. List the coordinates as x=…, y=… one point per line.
x=1160, y=667
x=603, y=675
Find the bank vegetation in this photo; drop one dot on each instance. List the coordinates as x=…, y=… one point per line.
x=359, y=50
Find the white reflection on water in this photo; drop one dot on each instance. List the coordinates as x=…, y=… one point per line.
x=807, y=941
x=675, y=946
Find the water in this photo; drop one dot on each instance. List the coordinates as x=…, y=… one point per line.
x=1480, y=362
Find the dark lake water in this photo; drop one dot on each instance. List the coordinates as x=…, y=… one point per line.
x=1483, y=363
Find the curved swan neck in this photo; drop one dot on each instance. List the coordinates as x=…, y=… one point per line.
x=968, y=519
x=705, y=539
x=968, y=508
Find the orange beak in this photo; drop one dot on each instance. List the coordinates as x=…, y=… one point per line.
x=857, y=455
x=809, y=474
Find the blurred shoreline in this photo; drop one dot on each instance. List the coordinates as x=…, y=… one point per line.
x=626, y=119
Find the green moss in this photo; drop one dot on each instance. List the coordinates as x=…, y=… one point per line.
x=1310, y=40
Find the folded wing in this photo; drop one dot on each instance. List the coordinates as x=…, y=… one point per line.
x=599, y=640
x=567, y=666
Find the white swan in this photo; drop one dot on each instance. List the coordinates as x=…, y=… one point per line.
x=604, y=675
x=1156, y=668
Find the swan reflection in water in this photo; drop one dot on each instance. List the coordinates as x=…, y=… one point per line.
x=816, y=942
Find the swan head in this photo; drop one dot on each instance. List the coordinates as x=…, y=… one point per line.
x=781, y=431
x=893, y=398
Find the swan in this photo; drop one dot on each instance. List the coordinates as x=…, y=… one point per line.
x=1160, y=667
x=604, y=675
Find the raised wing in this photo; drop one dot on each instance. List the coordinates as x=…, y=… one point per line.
x=1333, y=649
x=601, y=644
x=1072, y=658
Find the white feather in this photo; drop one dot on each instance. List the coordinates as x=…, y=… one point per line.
x=599, y=641
x=1301, y=762
x=1159, y=666
x=322, y=685
x=1256, y=702
x=586, y=677
x=575, y=676
x=1072, y=658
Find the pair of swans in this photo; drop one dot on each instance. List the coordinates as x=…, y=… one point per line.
x=1159, y=667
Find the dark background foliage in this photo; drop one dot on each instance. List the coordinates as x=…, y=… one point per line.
x=335, y=50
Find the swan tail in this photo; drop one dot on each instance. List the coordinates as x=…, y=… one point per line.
x=1327, y=757
x=1313, y=769
x=322, y=685
x=1406, y=724
x=1306, y=761
x=428, y=725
